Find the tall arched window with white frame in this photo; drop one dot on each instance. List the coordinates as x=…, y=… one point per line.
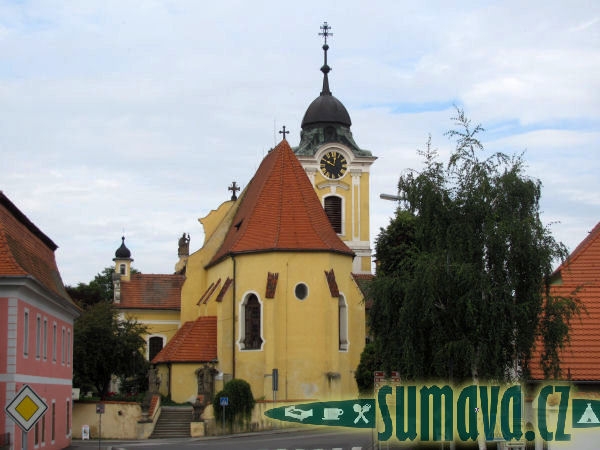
x=342, y=323
x=251, y=324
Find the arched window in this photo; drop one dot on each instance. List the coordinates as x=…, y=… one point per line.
x=333, y=209
x=155, y=345
x=122, y=269
x=251, y=339
x=343, y=323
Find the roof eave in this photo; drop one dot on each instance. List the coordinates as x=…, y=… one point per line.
x=277, y=250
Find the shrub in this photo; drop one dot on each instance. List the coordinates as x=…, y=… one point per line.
x=241, y=402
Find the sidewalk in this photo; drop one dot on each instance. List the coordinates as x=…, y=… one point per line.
x=106, y=444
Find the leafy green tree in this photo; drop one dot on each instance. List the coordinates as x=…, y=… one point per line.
x=105, y=345
x=462, y=283
x=369, y=363
x=240, y=399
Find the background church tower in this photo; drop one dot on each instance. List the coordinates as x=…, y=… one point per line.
x=123, y=261
x=337, y=167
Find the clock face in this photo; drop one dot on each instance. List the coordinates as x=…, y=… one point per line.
x=333, y=165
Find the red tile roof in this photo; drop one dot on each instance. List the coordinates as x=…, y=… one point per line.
x=363, y=280
x=151, y=291
x=194, y=342
x=280, y=211
x=26, y=251
x=580, y=359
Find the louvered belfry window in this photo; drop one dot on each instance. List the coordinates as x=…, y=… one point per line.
x=333, y=209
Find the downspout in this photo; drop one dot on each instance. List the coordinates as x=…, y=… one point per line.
x=233, y=320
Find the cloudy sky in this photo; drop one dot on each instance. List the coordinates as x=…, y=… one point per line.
x=132, y=118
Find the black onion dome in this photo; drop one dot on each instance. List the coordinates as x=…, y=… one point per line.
x=326, y=109
x=122, y=252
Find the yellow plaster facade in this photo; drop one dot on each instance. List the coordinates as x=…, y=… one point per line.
x=159, y=323
x=301, y=338
x=354, y=190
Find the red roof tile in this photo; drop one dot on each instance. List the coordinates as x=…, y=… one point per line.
x=26, y=251
x=194, y=342
x=581, y=358
x=280, y=211
x=151, y=291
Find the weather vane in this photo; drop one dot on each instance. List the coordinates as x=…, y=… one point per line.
x=325, y=31
x=325, y=69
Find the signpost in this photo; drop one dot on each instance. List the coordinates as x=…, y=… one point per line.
x=224, y=401
x=99, y=411
x=275, y=383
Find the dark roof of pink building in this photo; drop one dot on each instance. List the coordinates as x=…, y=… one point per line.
x=25, y=251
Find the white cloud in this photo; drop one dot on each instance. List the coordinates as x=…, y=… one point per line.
x=134, y=117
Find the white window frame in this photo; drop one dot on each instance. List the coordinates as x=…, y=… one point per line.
x=343, y=342
x=242, y=322
x=38, y=336
x=26, y=333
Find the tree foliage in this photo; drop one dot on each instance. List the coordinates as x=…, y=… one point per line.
x=105, y=345
x=369, y=363
x=241, y=402
x=99, y=289
x=463, y=269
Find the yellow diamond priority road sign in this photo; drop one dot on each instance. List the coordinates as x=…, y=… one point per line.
x=26, y=408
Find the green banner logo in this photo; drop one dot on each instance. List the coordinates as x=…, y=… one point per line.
x=346, y=413
x=407, y=412
x=586, y=413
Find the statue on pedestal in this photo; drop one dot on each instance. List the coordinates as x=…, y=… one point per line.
x=184, y=245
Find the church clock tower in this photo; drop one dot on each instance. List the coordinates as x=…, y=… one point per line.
x=337, y=167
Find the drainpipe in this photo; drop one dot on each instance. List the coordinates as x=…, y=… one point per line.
x=169, y=379
x=233, y=320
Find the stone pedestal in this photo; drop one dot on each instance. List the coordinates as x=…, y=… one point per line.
x=197, y=429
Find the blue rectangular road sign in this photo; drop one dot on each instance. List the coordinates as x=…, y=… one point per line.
x=224, y=401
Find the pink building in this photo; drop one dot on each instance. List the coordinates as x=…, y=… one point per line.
x=36, y=332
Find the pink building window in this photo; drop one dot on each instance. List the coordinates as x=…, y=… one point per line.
x=45, y=343
x=68, y=417
x=68, y=347
x=54, y=343
x=53, y=426
x=26, y=333
x=38, y=336
x=43, y=429
x=63, y=347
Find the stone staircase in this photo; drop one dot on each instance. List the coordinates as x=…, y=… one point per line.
x=174, y=421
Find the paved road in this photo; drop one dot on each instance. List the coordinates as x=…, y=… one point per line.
x=286, y=439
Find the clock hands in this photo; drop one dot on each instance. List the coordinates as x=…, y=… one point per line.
x=333, y=165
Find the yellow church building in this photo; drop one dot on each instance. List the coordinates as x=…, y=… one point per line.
x=275, y=283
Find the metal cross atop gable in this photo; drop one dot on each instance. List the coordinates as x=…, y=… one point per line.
x=233, y=188
x=284, y=132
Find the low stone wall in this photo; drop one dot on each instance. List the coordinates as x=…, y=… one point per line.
x=121, y=420
x=258, y=421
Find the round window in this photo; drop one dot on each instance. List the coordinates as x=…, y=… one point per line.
x=301, y=291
